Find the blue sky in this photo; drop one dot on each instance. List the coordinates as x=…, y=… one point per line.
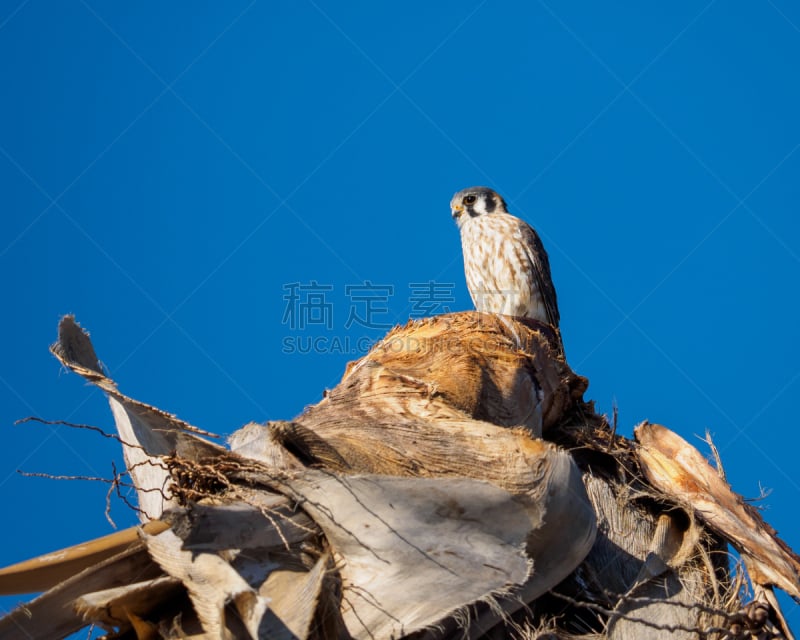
x=167, y=169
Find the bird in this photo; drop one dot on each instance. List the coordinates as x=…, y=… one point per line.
x=505, y=263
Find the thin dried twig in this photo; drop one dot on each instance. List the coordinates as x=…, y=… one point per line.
x=616, y=615
x=87, y=427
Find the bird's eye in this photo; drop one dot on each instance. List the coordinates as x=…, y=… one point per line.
x=470, y=199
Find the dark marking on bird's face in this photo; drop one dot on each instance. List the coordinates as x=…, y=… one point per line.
x=469, y=202
x=490, y=202
x=499, y=203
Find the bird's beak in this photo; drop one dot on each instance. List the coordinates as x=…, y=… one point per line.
x=456, y=211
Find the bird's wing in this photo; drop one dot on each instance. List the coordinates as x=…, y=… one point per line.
x=541, y=271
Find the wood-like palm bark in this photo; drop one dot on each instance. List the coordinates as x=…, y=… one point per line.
x=453, y=484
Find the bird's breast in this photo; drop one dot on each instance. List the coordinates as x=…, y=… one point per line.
x=497, y=269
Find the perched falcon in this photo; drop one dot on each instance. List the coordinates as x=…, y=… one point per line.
x=505, y=263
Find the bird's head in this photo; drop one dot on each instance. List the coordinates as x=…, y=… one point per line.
x=474, y=202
